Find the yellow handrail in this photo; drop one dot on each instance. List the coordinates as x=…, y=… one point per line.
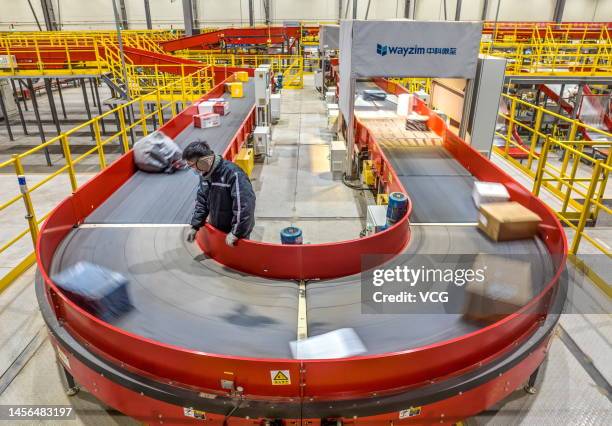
x=182, y=92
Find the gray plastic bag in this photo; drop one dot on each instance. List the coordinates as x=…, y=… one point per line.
x=157, y=153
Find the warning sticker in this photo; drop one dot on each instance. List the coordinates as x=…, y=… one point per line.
x=196, y=414
x=410, y=412
x=280, y=377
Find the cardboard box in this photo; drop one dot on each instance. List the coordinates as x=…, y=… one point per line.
x=207, y=120
x=500, y=293
x=235, y=89
x=221, y=107
x=507, y=221
x=242, y=76
x=489, y=192
x=205, y=107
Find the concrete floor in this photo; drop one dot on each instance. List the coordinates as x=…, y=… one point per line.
x=295, y=188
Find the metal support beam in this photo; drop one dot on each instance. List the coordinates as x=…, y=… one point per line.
x=355, y=9
x=485, y=7
x=87, y=108
x=49, y=14
x=49, y=90
x=339, y=10
x=188, y=17
x=367, y=10
x=41, y=130
x=97, y=92
x=458, y=11
x=559, y=8
x=266, y=6
x=18, y=102
x=196, y=17
x=251, y=14
x=61, y=96
x=23, y=88
x=35, y=17
x=124, y=17
x=7, y=122
x=407, y=9
x=147, y=8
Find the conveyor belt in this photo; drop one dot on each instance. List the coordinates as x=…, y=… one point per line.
x=160, y=198
x=182, y=298
x=336, y=303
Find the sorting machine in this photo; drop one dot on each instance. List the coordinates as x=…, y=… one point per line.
x=208, y=338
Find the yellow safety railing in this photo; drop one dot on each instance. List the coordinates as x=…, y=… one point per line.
x=291, y=66
x=553, y=57
x=136, y=116
x=414, y=84
x=539, y=32
x=568, y=159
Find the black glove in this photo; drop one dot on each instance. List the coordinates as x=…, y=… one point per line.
x=191, y=235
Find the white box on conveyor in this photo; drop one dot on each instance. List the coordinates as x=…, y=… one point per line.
x=341, y=343
x=489, y=192
x=205, y=107
x=206, y=120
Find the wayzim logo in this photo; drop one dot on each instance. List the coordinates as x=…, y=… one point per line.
x=383, y=50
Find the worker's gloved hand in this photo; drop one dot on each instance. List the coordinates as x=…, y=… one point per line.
x=231, y=239
x=191, y=235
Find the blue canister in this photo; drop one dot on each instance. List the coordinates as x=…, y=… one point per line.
x=291, y=235
x=398, y=204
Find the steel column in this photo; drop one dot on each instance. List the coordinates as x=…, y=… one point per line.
x=485, y=7
x=7, y=122
x=339, y=10
x=93, y=95
x=196, y=17
x=41, y=130
x=355, y=9
x=266, y=7
x=86, y=102
x=35, y=17
x=61, y=96
x=49, y=90
x=49, y=14
x=124, y=17
x=251, y=14
x=407, y=9
x=559, y=9
x=188, y=17
x=97, y=93
x=22, y=87
x=147, y=8
x=21, y=118
x=458, y=11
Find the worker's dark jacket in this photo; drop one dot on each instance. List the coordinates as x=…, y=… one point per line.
x=227, y=199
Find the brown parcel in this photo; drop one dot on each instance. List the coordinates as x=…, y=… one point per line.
x=501, y=293
x=507, y=221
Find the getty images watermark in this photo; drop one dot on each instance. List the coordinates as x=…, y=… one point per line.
x=478, y=286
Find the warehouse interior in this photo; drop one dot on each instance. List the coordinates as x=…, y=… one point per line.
x=359, y=143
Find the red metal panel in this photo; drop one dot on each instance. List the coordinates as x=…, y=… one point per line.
x=447, y=411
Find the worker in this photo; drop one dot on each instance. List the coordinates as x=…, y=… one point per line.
x=225, y=195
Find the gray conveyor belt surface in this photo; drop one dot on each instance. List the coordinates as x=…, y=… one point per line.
x=162, y=198
x=439, y=186
x=336, y=304
x=183, y=298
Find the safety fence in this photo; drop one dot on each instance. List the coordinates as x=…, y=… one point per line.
x=553, y=57
x=546, y=31
x=135, y=117
x=565, y=158
x=290, y=66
